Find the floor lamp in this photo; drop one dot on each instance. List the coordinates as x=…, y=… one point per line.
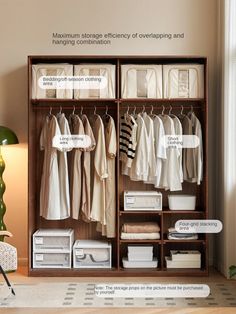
x=7, y=137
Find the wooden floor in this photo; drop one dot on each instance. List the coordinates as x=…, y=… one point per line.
x=21, y=276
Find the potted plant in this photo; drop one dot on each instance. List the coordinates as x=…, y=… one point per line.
x=232, y=271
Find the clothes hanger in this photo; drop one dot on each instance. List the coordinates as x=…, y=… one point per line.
x=49, y=115
x=60, y=112
x=163, y=111
x=106, y=115
x=151, y=114
x=182, y=114
x=95, y=112
x=171, y=114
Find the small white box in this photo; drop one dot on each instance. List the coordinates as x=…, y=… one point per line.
x=53, y=239
x=52, y=259
x=139, y=264
x=182, y=264
x=91, y=254
x=142, y=200
x=182, y=202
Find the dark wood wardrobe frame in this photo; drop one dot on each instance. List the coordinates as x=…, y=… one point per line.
x=37, y=111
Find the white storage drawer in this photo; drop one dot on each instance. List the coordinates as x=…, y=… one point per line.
x=91, y=254
x=182, y=202
x=142, y=200
x=53, y=239
x=52, y=259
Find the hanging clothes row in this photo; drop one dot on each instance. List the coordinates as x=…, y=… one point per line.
x=145, y=158
x=87, y=190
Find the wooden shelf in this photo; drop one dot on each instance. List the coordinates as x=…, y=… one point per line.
x=191, y=212
x=140, y=212
x=184, y=241
x=140, y=241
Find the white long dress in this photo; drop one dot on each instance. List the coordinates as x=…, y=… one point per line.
x=63, y=169
x=100, y=174
x=50, y=206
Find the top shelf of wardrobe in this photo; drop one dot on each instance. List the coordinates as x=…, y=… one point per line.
x=47, y=101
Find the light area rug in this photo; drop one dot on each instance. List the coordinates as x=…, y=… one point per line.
x=82, y=295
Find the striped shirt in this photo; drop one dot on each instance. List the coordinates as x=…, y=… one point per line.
x=128, y=128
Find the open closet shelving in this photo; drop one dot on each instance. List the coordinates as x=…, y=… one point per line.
x=37, y=112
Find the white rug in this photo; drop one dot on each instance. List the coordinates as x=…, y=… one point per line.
x=82, y=295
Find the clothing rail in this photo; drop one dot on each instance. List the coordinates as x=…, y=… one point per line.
x=98, y=107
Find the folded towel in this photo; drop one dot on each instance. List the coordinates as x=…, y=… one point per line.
x=140, y=227
x=140, y=236
x=170, y=237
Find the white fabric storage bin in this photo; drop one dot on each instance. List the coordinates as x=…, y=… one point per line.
x=182, y=202
x=105, y=70
x=141, y=81
x=52, y=259
x=142, y=200
x=183, y=80
x=56, y=69
x=53, y=239
x=91, y=254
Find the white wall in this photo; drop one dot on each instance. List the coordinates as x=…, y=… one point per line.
x=25, y=29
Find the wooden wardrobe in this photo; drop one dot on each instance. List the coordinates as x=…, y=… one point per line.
x=37, y=111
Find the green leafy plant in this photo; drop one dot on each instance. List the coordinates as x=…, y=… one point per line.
x=232, y=271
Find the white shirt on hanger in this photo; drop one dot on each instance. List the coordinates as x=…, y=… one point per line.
x=160, y=149
x=151, y=148
x=179, y=132
x=139, y=168
x=170, y=178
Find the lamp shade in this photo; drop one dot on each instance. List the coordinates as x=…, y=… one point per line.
x=7, y=136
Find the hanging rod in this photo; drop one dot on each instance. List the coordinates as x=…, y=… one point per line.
x=98, y=107
x=161, y=107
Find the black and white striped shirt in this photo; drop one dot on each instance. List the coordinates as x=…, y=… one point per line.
x=128, y=128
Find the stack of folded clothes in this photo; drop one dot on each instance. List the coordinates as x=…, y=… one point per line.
x=140, y=231
x=175, y=235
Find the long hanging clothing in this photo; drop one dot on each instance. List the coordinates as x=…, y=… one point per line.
x=170, y=178
x=109, y=230
x=76, y=168
x=50, y=207
x=86, y=169
x=100, y=174
x=63, y=169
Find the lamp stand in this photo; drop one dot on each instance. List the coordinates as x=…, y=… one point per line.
x=2, y=190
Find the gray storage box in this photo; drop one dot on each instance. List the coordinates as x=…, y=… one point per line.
x=91, y=254
x=53, y=239
x=52, y=259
